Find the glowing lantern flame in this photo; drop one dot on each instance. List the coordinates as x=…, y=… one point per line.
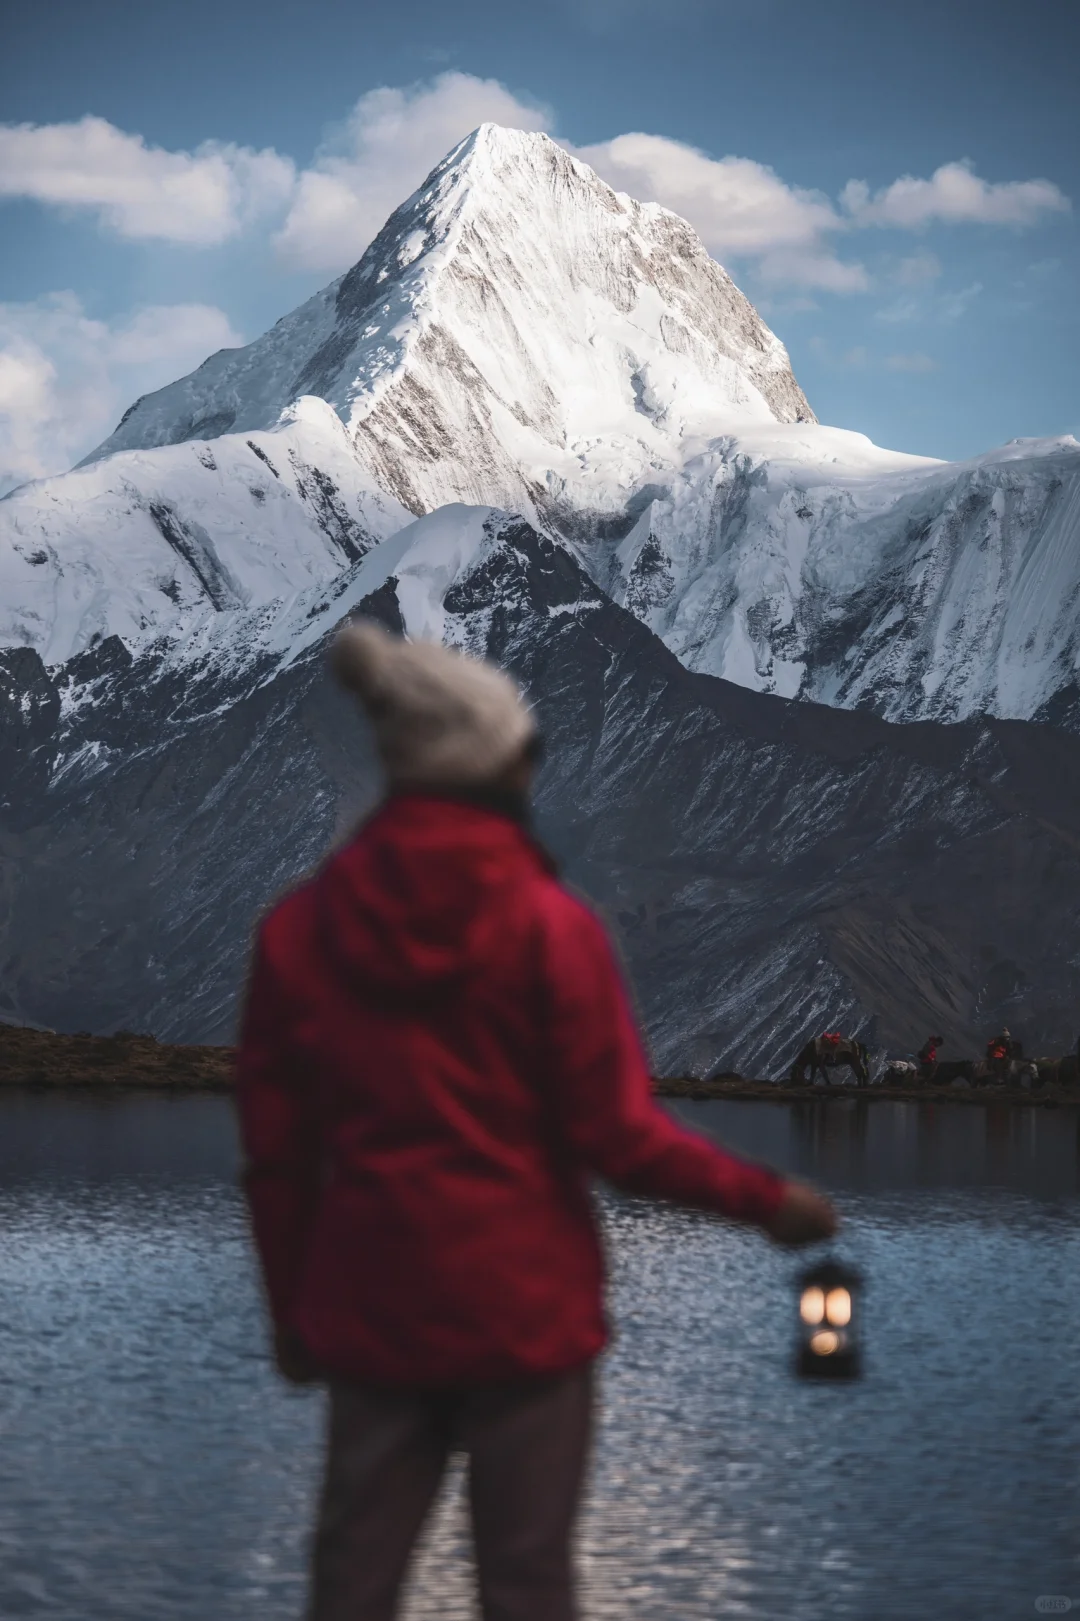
x=812, y=1305
x=838, y=1308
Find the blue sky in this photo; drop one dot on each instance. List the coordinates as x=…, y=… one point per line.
x=896, y=187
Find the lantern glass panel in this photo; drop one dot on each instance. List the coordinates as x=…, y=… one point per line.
x=838, y=1307
x=812, y=1305
x=828, y=1345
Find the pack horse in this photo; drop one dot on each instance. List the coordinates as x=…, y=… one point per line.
x=831, y=1051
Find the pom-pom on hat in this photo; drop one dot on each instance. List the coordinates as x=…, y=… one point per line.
x=440, y=717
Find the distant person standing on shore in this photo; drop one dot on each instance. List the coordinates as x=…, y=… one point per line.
x=998, y=1055
x=928, y=1057
x=437, y=1055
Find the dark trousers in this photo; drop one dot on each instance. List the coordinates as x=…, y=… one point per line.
x=527, y=1445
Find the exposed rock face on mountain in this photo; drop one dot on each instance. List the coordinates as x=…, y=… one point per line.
x=517, y=333
x=767, y=866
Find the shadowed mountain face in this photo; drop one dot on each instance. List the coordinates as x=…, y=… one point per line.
x=768, y=867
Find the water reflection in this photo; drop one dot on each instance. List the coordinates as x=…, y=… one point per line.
x=152, y=1467
x=883, y=1145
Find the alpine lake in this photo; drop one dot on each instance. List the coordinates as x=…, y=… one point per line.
x=153, y=1467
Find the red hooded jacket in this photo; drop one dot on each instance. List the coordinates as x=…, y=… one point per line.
x=437, y=1053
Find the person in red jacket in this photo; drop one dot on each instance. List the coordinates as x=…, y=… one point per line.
x=437, y=1056
x=927, y=1057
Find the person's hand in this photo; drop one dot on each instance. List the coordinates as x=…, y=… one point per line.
x=293, y=1359
x=803, y=1216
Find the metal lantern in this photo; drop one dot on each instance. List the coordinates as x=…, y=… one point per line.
x=829, y=1322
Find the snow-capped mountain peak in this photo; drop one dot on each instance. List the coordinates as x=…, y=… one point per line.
x=520, y=336
x=517, y=333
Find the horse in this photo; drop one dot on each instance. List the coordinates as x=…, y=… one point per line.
x=822, y=1053
x=955, y=1069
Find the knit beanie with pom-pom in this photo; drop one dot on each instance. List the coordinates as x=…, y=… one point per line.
x=441, y=718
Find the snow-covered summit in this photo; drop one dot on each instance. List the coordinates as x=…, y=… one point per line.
x=518, y=333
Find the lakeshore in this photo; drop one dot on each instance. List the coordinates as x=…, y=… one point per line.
x=738, y=1087
x=45, y=1059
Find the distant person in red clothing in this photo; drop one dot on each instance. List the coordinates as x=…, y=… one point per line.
x=998, y=1055
x=927, y=1056
x=437, y=1056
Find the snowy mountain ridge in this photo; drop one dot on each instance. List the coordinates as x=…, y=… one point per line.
x=207, y=538
x=519, y=336
x=795, y=561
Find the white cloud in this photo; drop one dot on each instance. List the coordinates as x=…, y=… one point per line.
x=201, y=197
x=954, y=195
x=65, y=378
x=742, y=206
x=930, y=306
x=774, y=307
x=394, y=137
x=328, y=213
x=741, y=209
x=389, y=144
x=813, y=268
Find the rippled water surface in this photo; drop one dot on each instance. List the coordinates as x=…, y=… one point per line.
x=151, y=1466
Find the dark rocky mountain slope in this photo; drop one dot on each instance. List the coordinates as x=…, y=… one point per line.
x=768, y=867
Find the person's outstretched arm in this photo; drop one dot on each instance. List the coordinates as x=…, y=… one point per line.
x=601, y=1087
x=278, y=1133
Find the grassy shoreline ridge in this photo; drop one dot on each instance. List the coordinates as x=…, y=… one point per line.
x=44, y=1059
